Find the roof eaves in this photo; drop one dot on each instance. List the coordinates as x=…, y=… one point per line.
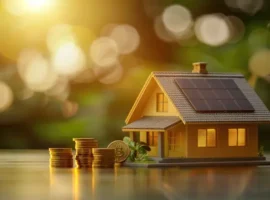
x=189, y=74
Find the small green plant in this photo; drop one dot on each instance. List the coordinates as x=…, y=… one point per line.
x=138, y=150
x=261, y=151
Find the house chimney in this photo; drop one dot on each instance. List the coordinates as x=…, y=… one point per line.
x=199, y=67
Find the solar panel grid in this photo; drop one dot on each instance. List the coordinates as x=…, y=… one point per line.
x=214, y=95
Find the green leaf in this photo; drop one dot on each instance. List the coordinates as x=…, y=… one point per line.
x=146, y=147
x=126, y=140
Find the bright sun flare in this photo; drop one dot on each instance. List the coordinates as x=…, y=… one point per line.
x=35, y=5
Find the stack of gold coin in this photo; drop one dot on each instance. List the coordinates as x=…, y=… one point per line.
x=121, y=151
x=103, y=158
x=84, y=148
x=61, y=157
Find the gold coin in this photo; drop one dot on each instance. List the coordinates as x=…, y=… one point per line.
x=61, y=154
x=84, y=139
x=121, y=150
x=102, y=150
x=62, y=150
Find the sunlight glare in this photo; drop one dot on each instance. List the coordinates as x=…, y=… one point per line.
x=6, y=96
x=69, y=60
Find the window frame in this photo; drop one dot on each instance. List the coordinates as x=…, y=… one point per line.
x=237, y=137
x=151, y=138
x=163, y=102
x=171, y=137
x=206, y=142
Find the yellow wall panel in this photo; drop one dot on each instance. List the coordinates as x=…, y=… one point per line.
x=150, y=108
x=222, y=148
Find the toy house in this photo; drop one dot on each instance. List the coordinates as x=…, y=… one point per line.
x=197, y=115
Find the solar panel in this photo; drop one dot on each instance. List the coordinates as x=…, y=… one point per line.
x=199, y=104
x=192, y=93
x=229, y=83
x=245, y=105
x=215, y=83
x=215, y=105
x=214, y=95
x=222, y=94
x=236, y=94
x=200, y=83
x=230, y=105
x=207, y=94
x=185, y=83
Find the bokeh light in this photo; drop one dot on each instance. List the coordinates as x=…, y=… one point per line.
x=250, y=7
x=59, y=35
x=212, y=29
x=177, y=19
x=6, y=99
x=104, y=52
x=161, y=31
x=60, y=90
x=126, y=37
x=35, y=71
x=237, y=28
x=69, y=108
x=109, y=75
x=259, y=63
x=85, y=76
x=154, y=8
x=69, y=60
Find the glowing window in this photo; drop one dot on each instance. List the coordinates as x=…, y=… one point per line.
x=237, y=137
x=206, y=137
x=162, y=103
x=152, y=138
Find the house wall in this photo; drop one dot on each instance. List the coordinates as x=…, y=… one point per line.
x=150, y=108
x=222, y=149
x=180, y=149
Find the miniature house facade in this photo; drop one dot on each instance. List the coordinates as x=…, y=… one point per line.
x=197, y=115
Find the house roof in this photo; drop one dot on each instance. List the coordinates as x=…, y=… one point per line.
x=153, y=123
x=166, y=80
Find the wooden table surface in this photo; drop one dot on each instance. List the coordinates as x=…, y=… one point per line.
x=25, y=174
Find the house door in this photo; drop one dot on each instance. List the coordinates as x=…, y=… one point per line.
x=174, y=146
x=152, y=141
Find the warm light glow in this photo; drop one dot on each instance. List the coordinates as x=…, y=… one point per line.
x=69, y=60
x=20, y=7
x=104, y=52
x=36, y=71
x=6, y=96
x=177, y=19
x=237, y=137
x=59, y=35
x=36, y=5
x=206, y=137
x=212, y=30
x=126, y=37
x=201, y=138
x=211, y=137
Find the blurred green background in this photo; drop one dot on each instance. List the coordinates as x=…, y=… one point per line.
x=94, y=109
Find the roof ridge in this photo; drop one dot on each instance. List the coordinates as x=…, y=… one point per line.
x=189, y=74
